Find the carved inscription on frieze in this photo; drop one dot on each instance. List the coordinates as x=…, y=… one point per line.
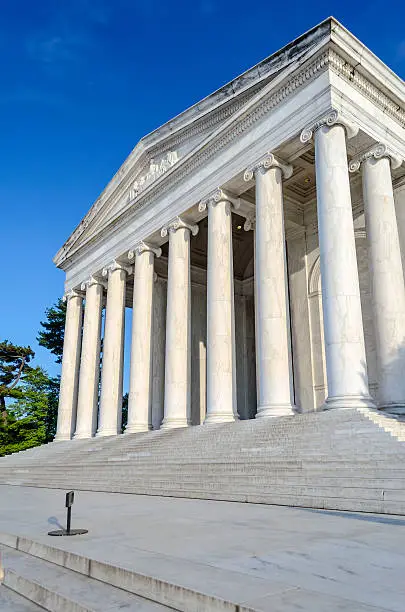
x=156, y=169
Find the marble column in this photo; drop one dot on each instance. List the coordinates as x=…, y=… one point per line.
x=346, y=366
x=178, y=325
x=110, y=415
x=271, y=291
x=387, y=280
x=87, y=403
x=140, y=383
x=221, y=361
x=70, y=367
x=399, y=197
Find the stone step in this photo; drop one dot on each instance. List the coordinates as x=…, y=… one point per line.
x=184, y=587
x=332, y=503
x=318, y=421
x=157, y=486
x=240, y=445
x=395, y=461
x=329, y=480
x=260, y=480
x=269, y=471
x=256, y=481
x=203, y=433
x=320, y=457
x=265, y=453
x=288, y=448
x=57, y=588
x=12, y=602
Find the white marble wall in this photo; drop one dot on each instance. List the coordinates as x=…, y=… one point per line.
x=245, y=356
x=300, y=324
x=366, y=305
x=198, y=353
x=399, y=197
x=158, y=350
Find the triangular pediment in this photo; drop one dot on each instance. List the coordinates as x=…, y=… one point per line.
x=159, y=152
x=159, y=155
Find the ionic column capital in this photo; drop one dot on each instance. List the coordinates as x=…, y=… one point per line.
x=217, y=196
x=73, y=293
x=143, y=247
x=176, y=224
x=377, y=151
x=114, y=266
x=265, y=163
x=93, y=280
x=250, y=222
x=333, y=117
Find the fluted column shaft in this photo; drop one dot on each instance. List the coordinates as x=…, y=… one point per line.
x=70, y=367
x=271, y=292
x=387, y=281
x=178, y=328
x=87, y=404
x=140, y=384
x=221, y=366
x=399, y=198
x=110, y=415
x=343, y=323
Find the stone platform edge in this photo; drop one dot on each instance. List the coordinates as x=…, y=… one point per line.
x=169, y=594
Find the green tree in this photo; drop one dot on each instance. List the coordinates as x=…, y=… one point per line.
x=13, y=359
x=31, y=417
x=53, y=332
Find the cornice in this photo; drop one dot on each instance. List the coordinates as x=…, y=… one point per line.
x=265, y=163
x=349, y=71
x=377, y=151
x=277, y=91
x=204, y=123
x=144, y=247
x=176, y=224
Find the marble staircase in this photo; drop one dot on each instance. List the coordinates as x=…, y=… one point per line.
x=52, y=587
x=341, y=460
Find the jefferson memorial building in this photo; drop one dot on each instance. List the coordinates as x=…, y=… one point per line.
x=259, y=239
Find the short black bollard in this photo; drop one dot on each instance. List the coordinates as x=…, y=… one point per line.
x=70, y=497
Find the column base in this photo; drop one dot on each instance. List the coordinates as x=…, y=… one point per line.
x=274, y=410
x=137, y=428
x=106, y=432
x=211, y=419
x=62, y=438
x=174, y=423
x=82, y=435
x=348, y=402
x=393, y=408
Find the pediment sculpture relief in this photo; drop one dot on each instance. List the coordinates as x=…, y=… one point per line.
x=156, y=169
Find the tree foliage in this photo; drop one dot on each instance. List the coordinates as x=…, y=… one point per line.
x=53, y=329
x=28, y=417
x=31, y=417
x=13, y=359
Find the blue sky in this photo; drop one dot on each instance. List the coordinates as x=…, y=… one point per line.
x=83, y=80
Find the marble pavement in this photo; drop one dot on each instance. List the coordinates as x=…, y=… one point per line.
x=270, y=558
